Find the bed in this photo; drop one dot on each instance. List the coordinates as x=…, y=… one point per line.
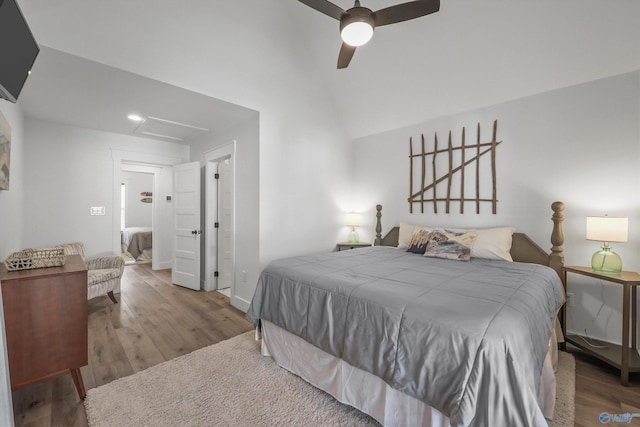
x=414, y=340
x=137, y=241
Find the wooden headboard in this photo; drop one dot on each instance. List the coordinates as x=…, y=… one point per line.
x=523, y=248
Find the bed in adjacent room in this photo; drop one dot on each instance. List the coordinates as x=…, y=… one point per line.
x=446, y=336
x=138, y=242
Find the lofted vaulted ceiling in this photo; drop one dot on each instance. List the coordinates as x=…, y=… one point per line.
x=469, y=54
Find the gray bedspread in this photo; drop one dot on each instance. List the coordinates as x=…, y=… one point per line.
x=139, y=242
x=468, y=339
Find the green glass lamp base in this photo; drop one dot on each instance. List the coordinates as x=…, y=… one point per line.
x=353, y=237
x=606, y=261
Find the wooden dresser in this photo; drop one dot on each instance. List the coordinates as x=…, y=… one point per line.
x=45, y=312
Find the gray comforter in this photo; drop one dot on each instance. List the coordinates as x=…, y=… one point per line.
x=468, y=339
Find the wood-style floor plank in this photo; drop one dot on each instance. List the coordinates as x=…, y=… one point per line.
x=153, y=322
x=156, y=321
x=598, y=390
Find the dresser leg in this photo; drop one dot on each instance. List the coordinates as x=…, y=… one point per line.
x=77, y=380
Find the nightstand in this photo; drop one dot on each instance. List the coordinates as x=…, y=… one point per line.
x=622, y=357
x=346, y=245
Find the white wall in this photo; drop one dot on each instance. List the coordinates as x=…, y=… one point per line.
x=580, y=145
x=245, y=52
x=137, y=213
x=11, y=225
x=163, y=231
x=70, y=170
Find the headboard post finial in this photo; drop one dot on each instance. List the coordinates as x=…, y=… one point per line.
x=557, y=238
x=378, y=226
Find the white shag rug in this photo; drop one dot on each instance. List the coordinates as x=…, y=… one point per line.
x=232, y=384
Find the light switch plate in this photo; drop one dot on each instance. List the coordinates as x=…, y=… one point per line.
x=97, y=210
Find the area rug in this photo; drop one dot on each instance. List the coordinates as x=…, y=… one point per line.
x=232, y=384
x=565, y=391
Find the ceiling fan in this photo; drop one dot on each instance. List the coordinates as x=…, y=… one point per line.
x=357, y=23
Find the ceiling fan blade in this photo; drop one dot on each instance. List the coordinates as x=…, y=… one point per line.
x=346, y=53
x=405, y=11
x=325, y=7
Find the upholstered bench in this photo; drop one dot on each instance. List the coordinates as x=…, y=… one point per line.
x=104, y=273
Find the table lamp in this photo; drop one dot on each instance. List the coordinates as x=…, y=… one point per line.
x=354, y=220
x=607, y=229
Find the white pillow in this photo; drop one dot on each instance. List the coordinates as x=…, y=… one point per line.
x=406, y=233
x=493, y=243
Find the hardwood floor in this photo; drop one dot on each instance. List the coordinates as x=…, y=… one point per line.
x=156, y=321
x=598, y=390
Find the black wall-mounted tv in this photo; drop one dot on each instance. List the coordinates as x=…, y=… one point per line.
x=18, y=50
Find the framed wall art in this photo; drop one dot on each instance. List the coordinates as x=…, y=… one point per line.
x=5, y=152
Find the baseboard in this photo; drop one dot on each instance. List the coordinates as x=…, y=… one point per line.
x=240, y=304
x=162, y=265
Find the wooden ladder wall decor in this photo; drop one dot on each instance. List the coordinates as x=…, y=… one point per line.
x=479, y=149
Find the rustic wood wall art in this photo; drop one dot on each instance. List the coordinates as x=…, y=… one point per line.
x=453, y=168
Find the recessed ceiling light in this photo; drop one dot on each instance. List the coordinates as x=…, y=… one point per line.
x=135, y=117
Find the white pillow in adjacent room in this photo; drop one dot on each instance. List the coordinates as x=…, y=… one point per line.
x=493, y=243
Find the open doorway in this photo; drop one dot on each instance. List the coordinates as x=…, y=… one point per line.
x=136, y=215
x=161, y=168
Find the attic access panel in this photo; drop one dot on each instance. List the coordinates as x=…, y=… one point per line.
x=168, y=129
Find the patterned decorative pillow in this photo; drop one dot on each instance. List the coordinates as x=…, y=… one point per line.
x=450, y=245
x=419, y=241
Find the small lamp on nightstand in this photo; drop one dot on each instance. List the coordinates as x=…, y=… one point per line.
x=354, y=220
x=607, y=229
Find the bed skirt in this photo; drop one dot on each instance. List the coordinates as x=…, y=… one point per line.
x=365, y=391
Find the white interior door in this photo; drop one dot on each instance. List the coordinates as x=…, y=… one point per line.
x=225, y=219
x=187, y=228
x=211, y=252
x=220, y=218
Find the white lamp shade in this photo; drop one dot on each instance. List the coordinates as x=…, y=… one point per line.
x=357, y=33
x=607, y=228
x=354, y=219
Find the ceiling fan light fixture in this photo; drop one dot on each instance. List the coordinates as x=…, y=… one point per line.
x=357, y=33
x=357, y=24
x=356, y=28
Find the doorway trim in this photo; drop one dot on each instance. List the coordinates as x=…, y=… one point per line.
x=142, y=159
x=215, y=155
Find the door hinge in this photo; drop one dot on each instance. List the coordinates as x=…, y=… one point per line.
x=216, y=225
x=217, y=175
x=216, y=274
